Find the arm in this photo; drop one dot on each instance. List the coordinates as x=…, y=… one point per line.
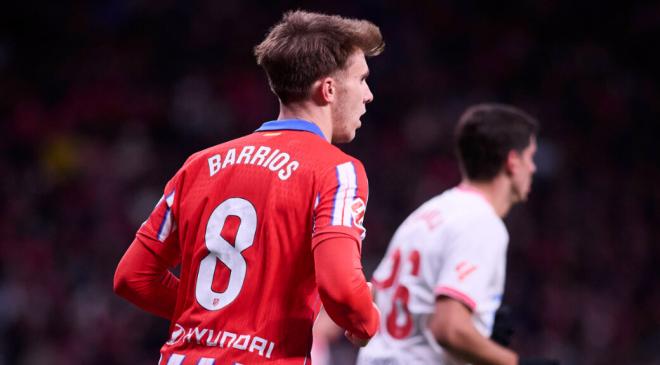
x=142, y=276
x=342, y=286
x=144, y=280
x=452, y=327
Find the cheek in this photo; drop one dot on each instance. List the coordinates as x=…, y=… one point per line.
x=528, y=179
x=523, y=178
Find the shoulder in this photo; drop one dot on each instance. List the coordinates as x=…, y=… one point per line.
x=332, y=155
x=471, y=215
x=490, y=224
x=329, y=159
x=484, y=226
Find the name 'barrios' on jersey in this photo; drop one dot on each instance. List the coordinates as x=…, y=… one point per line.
x=273, y=159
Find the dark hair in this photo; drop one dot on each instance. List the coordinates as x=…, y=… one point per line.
x=304, y=47
x=485, y=135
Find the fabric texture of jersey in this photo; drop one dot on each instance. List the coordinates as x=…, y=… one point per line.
x=453, y=245
x=241, y=217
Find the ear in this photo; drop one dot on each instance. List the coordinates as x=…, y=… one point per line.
x=327, y=89
x=512, y=162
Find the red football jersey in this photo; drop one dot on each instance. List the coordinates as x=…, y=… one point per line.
x=240, y=218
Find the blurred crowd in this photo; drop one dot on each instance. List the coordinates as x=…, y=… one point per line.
x=101, y=102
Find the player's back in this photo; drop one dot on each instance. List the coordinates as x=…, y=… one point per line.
x=244, y=212
x=427, y=257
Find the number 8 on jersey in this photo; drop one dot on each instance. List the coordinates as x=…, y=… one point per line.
x=229, y=255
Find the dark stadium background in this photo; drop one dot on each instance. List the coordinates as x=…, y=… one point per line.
x=100, y=102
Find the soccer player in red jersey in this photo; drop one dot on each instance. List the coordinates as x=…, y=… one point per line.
x=268, y=227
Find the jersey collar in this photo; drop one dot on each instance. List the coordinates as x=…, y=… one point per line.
x=291, y=124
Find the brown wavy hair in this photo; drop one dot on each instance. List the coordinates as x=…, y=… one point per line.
x=306, y=46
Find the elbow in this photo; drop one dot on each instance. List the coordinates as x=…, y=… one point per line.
x=444, y=337
x=354, y=312
x=121, y=283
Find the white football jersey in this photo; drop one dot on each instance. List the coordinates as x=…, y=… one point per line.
x=453, y=245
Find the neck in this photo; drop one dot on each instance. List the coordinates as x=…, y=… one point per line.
x=497, y=192
x=311, y=112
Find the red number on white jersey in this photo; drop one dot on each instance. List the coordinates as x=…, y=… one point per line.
x=399, y=319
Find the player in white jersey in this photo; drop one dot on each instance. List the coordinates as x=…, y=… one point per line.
x=442, y=278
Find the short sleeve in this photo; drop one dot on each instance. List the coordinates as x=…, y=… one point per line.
x=159, y=232
x=341, y=201
x=471, y=261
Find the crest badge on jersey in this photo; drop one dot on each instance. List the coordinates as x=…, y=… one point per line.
x=358, y=209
